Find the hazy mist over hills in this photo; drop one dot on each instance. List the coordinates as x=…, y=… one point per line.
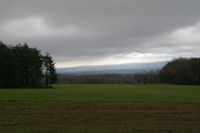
x=129, y=68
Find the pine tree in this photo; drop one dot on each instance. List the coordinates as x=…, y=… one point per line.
x=30, y=61
x=9, y=68
x=50, y=76
x=21, y=66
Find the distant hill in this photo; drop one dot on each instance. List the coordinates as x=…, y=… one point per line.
x=129, y=68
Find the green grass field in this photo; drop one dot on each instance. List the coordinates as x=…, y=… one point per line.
x=105, y=93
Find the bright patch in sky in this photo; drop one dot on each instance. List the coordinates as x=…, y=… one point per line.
x=185, y=40
x=189, y=34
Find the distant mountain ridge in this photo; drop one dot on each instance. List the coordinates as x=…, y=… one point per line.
x=129, y=68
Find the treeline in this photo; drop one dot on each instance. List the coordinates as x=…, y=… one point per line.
x=151, y=77
x=22, y=66
x=179, y=71
x=142, y=78
x=96, y=79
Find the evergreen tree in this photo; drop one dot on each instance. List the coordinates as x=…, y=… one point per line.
x=9, y=68
x=30, y=61
x=21, y=66
x=50, y=75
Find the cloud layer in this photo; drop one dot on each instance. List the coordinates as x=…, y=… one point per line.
x=93, y=32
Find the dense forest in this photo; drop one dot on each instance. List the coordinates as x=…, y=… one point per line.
x=181, y=71
x=22, y=66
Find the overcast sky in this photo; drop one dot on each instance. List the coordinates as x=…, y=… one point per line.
x=97, y=32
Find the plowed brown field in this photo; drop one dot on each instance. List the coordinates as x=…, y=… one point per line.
x=60, y=117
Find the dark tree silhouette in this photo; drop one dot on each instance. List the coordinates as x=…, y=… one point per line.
x=9, y=68
x=150, y=77
x=21, y=66
x=49, y=70
x=30, y=61
x=181, y=71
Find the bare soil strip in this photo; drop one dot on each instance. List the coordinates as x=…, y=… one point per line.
x=52, y=117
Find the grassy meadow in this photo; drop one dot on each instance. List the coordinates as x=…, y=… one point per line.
x=101, y=108
x=105, y=93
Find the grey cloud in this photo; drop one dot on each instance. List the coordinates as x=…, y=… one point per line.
x=102, y=27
